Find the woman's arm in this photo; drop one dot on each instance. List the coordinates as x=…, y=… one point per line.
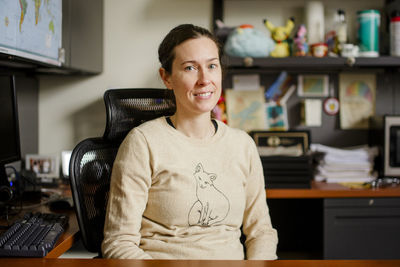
x=261, y=238
x=130, y=182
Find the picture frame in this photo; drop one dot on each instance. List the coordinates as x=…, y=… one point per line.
x=289, y=143
x=45, y=166
x=276, y=117
x=313, y=85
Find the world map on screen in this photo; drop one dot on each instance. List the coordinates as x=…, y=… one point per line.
x=31, y=29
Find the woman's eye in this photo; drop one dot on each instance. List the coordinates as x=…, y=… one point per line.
x=190, y=68
x=213, y=66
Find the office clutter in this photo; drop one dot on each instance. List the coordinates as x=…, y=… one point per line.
x=338, y=165
x=250, y=107
x=285, y=158
x=321, y=31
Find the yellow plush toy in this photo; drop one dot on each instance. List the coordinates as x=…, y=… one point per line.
x=280, y=36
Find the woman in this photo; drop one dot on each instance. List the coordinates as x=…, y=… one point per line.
x=183, y=186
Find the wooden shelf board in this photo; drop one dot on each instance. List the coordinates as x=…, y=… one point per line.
x=325, y=62
x=332, y=190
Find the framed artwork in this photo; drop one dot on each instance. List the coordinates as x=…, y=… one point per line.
x=357, y=94
x=245, y=109
x=45, y=166
x=289, y=143
x=276, y=117
x=313, y=85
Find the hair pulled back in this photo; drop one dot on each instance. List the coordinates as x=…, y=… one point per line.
x=175, y=37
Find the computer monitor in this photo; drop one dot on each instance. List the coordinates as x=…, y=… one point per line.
x=391, y=146
x=9, y=127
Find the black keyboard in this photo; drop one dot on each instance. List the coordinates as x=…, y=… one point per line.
x=33, y=236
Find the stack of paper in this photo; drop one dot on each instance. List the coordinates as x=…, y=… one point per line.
x=345, y=165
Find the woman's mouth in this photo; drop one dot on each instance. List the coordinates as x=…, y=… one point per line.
x=206, y=94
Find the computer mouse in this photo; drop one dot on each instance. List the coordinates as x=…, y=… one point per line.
x=61, y=204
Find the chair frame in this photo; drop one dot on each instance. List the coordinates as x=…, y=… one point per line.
x=122, y=115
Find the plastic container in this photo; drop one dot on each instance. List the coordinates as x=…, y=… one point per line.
x=395, y=35
x=368, y=32
x=319, y=49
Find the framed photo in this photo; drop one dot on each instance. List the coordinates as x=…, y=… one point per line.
x=313, y=85
x=276, y=117
x=45, y=166
x=289, y=143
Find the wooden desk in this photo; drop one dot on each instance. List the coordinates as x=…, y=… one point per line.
x=327, y=211
x=319, y=190
x=195, y=263
x=332, y=190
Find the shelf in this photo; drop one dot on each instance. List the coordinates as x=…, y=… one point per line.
x=313, y=62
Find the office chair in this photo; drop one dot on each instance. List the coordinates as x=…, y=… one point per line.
x=92, y=159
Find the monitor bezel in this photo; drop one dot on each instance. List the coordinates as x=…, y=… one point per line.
x=17, y=155
x=389, y=122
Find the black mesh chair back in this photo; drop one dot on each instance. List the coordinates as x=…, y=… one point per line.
x=92, y=159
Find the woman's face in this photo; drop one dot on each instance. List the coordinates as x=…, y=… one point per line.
x=195, y=77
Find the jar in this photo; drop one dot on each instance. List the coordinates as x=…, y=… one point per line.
x=319, y=49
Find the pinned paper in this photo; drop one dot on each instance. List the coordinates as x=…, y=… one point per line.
x=312, y=114
x=246, y=82
x=357, y=100
x=245, y=109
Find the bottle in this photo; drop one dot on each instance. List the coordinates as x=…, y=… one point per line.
x=395, y=34
x=368, y=22
x=341, y=27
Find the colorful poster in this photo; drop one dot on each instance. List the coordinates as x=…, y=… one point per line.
x=245, y=109
x=357, y=99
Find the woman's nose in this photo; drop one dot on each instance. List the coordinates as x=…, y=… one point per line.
x=203, y=77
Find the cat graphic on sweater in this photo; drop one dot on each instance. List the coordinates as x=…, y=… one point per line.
x=211, y=206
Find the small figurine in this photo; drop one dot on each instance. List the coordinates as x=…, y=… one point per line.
x=219, y=111
x=245, y=41
x=300, y=42
x=280, y=36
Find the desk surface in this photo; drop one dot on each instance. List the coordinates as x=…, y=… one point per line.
x=182, y=263
x=332, y=190
x=318, y=190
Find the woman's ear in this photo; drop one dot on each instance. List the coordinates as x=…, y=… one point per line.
x=165, y=77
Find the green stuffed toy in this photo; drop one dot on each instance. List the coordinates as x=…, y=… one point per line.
x=280, y=35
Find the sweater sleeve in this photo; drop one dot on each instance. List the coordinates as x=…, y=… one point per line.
x=130, y=182
x=261, y=238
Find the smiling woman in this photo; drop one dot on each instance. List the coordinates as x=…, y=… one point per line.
x=171, y=194
x=190, y=58
x=196, y=80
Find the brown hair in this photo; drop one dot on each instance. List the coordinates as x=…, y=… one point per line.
x=178, y=35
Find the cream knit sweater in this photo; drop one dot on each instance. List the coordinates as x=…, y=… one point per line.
x=173, y=197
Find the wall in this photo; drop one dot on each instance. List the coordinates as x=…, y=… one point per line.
x=71, y=108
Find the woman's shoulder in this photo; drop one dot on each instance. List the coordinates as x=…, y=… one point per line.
x=235, y=133
x=150, y=127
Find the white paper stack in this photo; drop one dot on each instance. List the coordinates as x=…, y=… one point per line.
x=345, y=165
